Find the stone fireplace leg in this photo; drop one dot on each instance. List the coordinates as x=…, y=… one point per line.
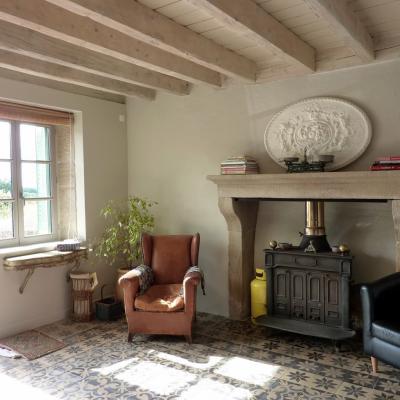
x=396, y=221
x=241, y=218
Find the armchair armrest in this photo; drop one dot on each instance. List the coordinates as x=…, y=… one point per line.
x=130, y=286
x=190, y=283
x=368, y=307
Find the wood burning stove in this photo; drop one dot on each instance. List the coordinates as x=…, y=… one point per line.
x=308, y=285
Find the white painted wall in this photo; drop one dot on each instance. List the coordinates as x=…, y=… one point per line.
x=175, y=142
x=101, y=172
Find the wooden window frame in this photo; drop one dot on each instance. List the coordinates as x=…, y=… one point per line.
x=17, y=198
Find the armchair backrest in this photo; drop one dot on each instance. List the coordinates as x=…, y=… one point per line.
x=170, y=255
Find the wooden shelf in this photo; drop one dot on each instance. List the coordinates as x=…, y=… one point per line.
x=349, y=185
x=47, y=259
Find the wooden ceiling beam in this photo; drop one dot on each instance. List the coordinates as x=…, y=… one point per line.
x=346, y=24
x=58, y=23
x=64, y=87
x=330, y=60
x=248, y=18
x=142, y=23
x=27, y=42
x=44, y=69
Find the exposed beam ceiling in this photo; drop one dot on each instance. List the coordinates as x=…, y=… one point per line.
x=136, y=47
x=58, y=23
x=65, y=87
x=44, y=69
x=249, y=19
x=25, y=41
x=142, y=23
x=346, y=24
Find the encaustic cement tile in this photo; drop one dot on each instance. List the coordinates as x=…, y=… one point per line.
x=227, y=360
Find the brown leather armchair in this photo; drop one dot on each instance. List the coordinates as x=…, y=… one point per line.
x=162, y=309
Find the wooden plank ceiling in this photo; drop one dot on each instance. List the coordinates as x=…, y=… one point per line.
x=118, y=48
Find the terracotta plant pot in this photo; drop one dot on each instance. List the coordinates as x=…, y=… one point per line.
x=119, y=293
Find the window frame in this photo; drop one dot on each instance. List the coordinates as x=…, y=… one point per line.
x=17, y=198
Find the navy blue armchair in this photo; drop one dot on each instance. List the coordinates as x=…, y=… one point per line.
x=381, y=317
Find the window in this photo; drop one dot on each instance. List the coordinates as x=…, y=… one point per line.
x=27, y=183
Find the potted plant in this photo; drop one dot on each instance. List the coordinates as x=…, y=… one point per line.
x=121, y=238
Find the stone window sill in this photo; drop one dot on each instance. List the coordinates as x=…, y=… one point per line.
x=27, y=249
x=43, y=259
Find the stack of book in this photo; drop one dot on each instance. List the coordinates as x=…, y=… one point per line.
x=239, y=166
x=388, y=163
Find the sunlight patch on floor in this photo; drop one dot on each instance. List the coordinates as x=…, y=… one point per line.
x=157, y=378
x=115, y=367
x=212, y=361
x=210, y=389
x=254, y=372
x=14, y=389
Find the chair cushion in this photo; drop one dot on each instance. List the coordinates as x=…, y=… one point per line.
x=161, y=298
x=388, y=331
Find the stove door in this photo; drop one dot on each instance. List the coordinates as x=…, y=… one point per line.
x=281, y=291
x=315, y=297
x=298, y=285
x=333, y=315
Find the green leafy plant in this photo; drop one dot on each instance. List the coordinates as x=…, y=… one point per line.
x=125, y=225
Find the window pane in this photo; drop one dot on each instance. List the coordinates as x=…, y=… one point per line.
x=6, y=220
x=5, y=180
x=5, y=139
x=37, y=217
x=35, y=143
x=35, y=180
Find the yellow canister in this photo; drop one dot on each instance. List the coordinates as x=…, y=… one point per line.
x=258, y=288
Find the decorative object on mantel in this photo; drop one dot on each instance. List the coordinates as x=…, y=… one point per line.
x=389, y=163
x=294, y=165
x=48, y=259
x=344, y=249
x=273, y=244
x=322, y=126
x=83, y=285
x=242, y=165
x=284, y=246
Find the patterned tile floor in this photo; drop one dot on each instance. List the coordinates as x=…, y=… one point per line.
x=228, y=360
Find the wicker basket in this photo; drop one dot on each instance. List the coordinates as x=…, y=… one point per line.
x=83, y=285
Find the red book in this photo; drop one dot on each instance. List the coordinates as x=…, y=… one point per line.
x=388, y=158
x=385, y=168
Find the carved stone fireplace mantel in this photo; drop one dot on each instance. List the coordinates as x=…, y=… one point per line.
x=238, y=201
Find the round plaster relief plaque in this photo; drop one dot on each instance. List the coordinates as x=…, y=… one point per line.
x=319, y=125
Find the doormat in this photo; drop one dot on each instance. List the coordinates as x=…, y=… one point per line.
x=32, y=344
x=66, y=328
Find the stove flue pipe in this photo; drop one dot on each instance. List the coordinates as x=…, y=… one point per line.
x=314, y=236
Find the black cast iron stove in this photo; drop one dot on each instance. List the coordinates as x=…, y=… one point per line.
x=308, y=285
